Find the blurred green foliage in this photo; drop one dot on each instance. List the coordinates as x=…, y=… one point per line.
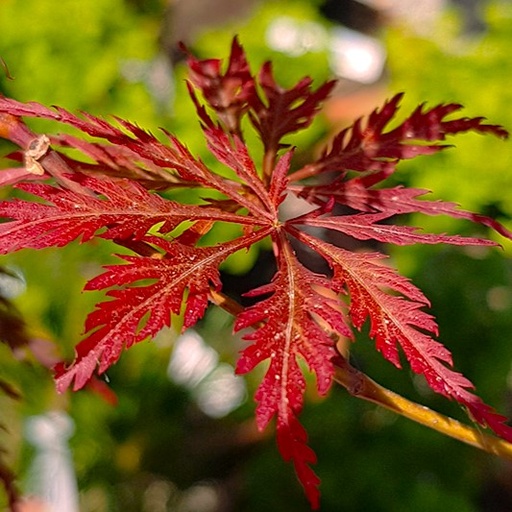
x=475, y=73
x=98, y=56
x=72, y=53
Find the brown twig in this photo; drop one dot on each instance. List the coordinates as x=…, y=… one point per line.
x=361, y=386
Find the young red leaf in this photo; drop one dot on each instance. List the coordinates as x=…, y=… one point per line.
x=363, y=226
x=117, y=162
x=373, y=149
x=124, y=210
x=357, y=194
x=398, y=320
x=138, y=312
x=174, y=157
x=287, y=329
x=300, y=313
x=284, y=111
x=234, y=154
x=228, y=93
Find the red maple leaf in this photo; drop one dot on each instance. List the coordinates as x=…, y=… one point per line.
x=137, y=312
x=288, y=329
x=299, y=314
x=124, y=210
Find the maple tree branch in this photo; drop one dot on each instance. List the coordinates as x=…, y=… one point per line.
x=226, y=303
x=361, y=386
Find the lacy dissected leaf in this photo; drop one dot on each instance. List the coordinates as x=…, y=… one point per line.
x=118, y=162
x=394, y=307
x=227, y=93
x=284, y=111
x=232, y=152
x=357, y=194
x=137, y=311
x=231, y=94
x=174, y=156
x=123, y=209
x=371, y=148
x=364, y=226
x=287, y=330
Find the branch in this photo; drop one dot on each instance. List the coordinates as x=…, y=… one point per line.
x=361, y=386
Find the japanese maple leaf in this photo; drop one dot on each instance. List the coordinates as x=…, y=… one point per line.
x=123, y=191
x=137, y=312
x=288, y=330
x=124, y=210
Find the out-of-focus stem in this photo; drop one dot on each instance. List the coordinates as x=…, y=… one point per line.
x=229, y=305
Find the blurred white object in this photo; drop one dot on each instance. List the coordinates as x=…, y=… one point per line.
x=12, y=283
x=220, y=392
x=52, y=476
x=157, y=75
x=192, y=360
x=353, y=55
x=356, y=56
x=294, y=37
x=214, y=386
